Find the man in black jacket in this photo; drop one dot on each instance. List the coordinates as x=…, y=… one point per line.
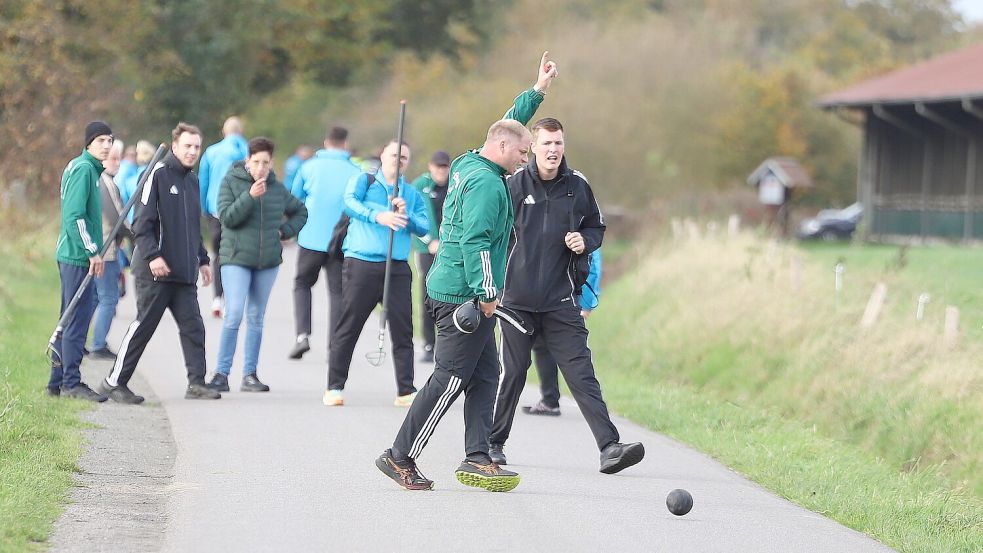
x=557, y=225
x=167, y=260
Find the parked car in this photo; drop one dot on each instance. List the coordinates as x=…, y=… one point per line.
x=832, y=224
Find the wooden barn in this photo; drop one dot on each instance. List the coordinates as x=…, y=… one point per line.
x=921, y=167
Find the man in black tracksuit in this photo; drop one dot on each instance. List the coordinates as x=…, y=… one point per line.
x=167, y=260
x=557, y=224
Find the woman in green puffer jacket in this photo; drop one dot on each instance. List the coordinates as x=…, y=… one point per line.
x=256, y=212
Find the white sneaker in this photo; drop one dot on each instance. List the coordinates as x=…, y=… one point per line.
x=218, y=307
x=333, y=398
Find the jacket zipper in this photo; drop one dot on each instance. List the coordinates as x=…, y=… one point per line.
x=187, y=237
x=546, y=218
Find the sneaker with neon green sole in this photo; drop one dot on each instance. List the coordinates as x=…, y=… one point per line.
x=333, y=398
x=489, y=477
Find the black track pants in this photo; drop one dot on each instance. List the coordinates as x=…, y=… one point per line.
x=549, y=377
x=309, y=265
x=152, y=299
x=465, y=363
x=565, y=336
x=362, y=283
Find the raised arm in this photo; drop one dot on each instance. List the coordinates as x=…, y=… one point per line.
x=525, y=104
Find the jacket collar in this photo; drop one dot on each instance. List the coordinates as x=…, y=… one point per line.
x=238, y=171
x=561, y=171
x=171, y=162
x=499, y=170
x=381, y=179
x=91, y=159
x=333, y=153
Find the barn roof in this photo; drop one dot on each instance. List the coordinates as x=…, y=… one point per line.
x=952, y=76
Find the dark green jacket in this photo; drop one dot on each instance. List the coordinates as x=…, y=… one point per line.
x=81, y=211
x=477, y=223
x=253, y=227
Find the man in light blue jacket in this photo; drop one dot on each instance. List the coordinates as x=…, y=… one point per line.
x=370, y=202
x=215, y=163
x=320, y=183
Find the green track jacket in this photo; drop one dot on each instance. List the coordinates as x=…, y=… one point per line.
x=81, y=211
x=477, y=223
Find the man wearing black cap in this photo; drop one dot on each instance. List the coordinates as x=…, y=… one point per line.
x=168, y=258
x=79, y=242
x=433, y=185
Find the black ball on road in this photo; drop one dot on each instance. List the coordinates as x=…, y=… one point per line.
x=679, y=502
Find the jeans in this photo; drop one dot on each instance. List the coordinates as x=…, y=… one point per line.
x=241, y=284
x=107, y=292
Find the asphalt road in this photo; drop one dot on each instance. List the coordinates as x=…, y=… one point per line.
x=281, y=472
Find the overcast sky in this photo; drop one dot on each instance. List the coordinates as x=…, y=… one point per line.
x=972, y=10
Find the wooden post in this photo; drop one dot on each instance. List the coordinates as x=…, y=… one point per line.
x=692, y=229
x=874, y=305
x=950, y=336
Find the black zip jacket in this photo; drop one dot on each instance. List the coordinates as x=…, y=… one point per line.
x=168, y=223
x=538, y=274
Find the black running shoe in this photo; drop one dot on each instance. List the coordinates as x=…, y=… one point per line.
x=103, y=353
x=541, y=409
x=489, y=477
x=198, y=390
x=219, y=383
x=497, y=454
x=52, y=391
x=403, y=473
x=300, y=348
x=120, y=393
x=82, y=391
x=617, y=456
x=252, y=384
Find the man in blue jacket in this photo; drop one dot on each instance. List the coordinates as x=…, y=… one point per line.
x=370, y=202
x=215, y=163
x=293, y=163
x=320, y=183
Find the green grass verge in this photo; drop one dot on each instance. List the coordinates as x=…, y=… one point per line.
x=740, y=348
x=40, y=438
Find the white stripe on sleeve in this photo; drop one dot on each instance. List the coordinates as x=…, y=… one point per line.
x=87, y=242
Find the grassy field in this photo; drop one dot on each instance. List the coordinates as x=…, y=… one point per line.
x=40, y=438
x=740, y=347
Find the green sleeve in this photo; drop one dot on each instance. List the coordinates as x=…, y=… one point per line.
x=524, y=106
x=74, y=208
x=479, y=207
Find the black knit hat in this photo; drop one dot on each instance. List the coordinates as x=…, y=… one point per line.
x=96, y=129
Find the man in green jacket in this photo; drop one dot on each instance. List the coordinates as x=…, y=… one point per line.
x=470, y=265
x=79, y=242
